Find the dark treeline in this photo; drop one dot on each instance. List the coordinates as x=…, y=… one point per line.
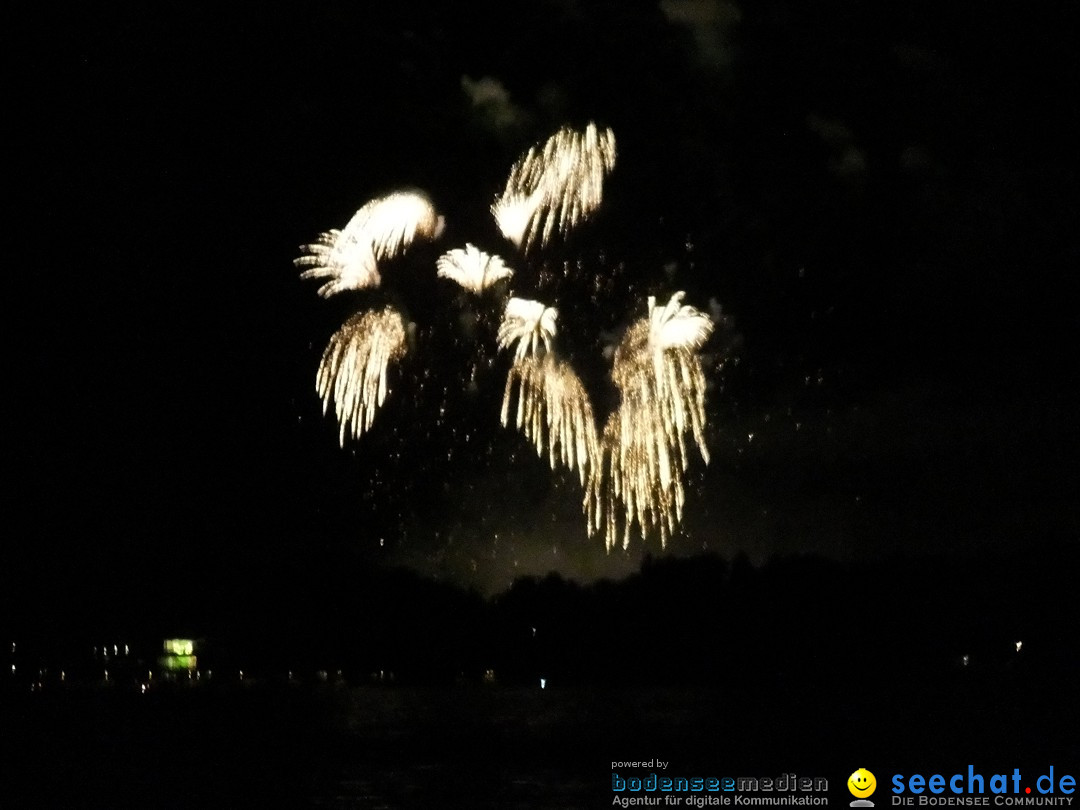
x=697, y=621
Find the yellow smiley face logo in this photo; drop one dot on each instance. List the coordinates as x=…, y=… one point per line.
x=861, y=783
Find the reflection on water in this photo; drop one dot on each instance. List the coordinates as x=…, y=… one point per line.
x=420, y=784
x=498, y=748
x=371, y=747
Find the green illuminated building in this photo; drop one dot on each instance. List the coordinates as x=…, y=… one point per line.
x=178, y=656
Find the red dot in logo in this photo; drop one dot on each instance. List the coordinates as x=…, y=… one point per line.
x=1027, y=790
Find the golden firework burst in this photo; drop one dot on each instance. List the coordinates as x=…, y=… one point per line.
x=553, y=411
x=353, y=370
x=638, y=479
x=555, y=187
x=381, y=229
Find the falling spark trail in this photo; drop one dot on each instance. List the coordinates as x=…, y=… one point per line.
x=639, y=476
x=382, y=229
x=553, y=408
x=555, y=187
x=354, y=365
x=553, y=411
x=472, y=268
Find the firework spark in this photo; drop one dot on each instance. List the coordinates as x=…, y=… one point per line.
x=677, y=326
x=555, y=187
x=528, y=324
x=633, y=472
x=639, y=476
x=353, y=368
x=382, y=229
x=472, y=268
x=344, y=258
x=553, y=411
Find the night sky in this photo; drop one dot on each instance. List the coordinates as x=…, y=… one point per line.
x=877, y=200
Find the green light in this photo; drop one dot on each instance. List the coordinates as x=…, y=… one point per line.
x=178, y=662
x=179, y=655
x=179, y=646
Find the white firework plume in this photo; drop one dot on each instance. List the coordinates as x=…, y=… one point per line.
x=639, y=476
x=472, y=268
x=555, y=187
x=515, y=213
x=528, y=324
x=345, y=258
x=352, y=372
x=676, y=333
x=553, y=408
x=553, y=411
x=677, y=326
x=381, y=229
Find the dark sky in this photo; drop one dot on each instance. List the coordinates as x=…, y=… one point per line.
x=880, y=198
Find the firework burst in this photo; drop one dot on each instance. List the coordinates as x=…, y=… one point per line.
x=553, y=411
x=639, y=476
x=382, y=229
x=528, y=324
x=633, y=472
x=353, y=369
x=555, y=187
x=553, y=408
x=472, y=268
